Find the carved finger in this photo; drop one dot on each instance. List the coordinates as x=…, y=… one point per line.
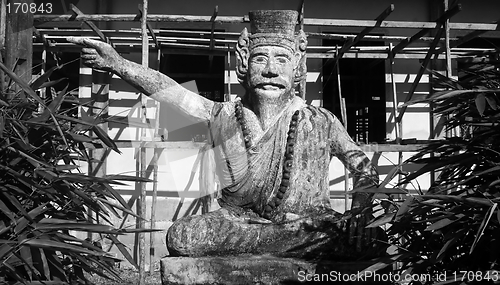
x=75, y=40
x=89, y=50
x=92, y=43
x=89, y=56
x=90, y=62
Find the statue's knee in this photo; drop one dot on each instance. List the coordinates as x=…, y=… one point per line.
x=187, y=236
x=175, y=245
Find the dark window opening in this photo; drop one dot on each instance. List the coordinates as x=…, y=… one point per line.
x=363, y=89
x=197, y=72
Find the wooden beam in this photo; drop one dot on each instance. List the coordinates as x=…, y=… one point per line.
x=184, y=145
x=464, y=39
x=365, y=31
x=19, y=43
x=212, y=38
x=423, y=32
x=244, y=19
x=91, y=25
x=232, y=35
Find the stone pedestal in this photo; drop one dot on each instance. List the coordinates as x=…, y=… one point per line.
x=259, y=270
x=233, y=270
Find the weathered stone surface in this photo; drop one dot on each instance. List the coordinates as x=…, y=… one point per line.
x=260, y=269
x=233, y=270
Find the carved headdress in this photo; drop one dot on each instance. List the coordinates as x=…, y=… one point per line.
x=271, y=27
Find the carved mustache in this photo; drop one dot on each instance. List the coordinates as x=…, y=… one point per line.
x=277, y=84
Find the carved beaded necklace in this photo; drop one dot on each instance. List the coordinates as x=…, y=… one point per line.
x=288, y=162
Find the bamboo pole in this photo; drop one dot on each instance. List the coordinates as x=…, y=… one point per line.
x=3, y=15
x=156, y=156
x=343, y=113
x=397, y=125
x=228, y=75
x=143, y=165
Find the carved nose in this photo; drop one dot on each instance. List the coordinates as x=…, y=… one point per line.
x=270, y=70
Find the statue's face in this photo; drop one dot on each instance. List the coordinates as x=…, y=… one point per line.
x=271, y=72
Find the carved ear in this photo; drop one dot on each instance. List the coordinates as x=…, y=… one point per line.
x=242, y=54
x=300, y=57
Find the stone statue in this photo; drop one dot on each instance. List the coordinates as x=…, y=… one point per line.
x=272, y=152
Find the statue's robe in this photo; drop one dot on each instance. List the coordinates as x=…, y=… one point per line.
x=304, y=224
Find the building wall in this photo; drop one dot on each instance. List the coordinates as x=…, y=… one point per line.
x=176, y=166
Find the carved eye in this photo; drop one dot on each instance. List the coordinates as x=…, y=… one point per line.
x=282, y=60
x=259, y=59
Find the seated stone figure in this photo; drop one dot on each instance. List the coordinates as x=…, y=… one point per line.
x=272, y=152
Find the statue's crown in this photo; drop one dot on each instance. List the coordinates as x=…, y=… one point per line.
x=273, y=27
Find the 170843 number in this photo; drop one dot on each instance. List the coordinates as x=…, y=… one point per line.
x=25, y=8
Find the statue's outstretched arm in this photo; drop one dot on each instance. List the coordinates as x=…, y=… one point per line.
x=100, y=55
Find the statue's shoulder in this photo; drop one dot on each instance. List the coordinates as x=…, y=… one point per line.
x=321, y=113
x=222, y=109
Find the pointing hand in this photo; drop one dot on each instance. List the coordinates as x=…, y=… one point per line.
x=97, y=54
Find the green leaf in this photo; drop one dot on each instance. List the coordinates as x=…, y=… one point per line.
x=80, y=138
x=117, y=196
x=25, y=255
x=121, y=247
x=103, y=136
x=440, y=224
x=480, y=103
x=52, y=83
x=55, y=266
x=62, y=246
x=86, y=227
x=26, y=88
x=130, y=231
x=483, y=226
x=4, y=209
x=405, y=207
x=52, y=108
x=44, y=77
x=449, y=243
x=75, y=120
x=66, y=167
x=23, y=222
x=5, y=248
x=129, y=178
x=126, y=210
x=475, y=201
x=19, y=207
x=381, y=190
x=491, y=98
x=382, y=220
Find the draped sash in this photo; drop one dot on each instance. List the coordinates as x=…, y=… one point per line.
x=256, y=173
